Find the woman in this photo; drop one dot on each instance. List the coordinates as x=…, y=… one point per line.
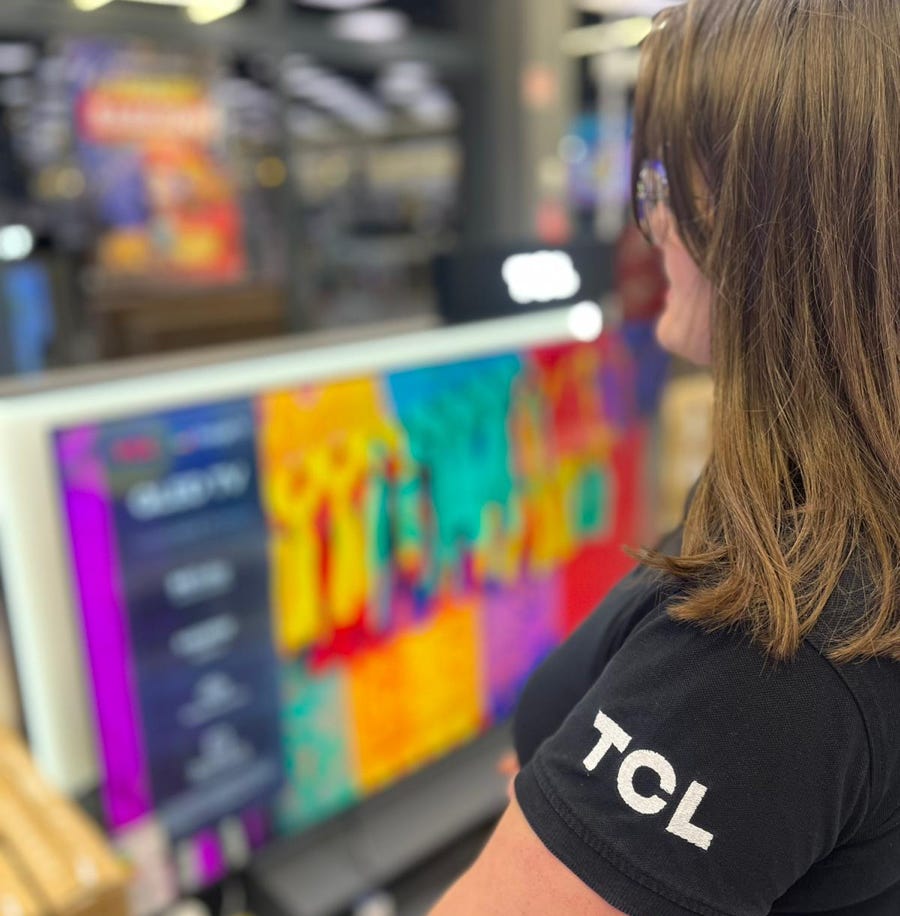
x=722, y=738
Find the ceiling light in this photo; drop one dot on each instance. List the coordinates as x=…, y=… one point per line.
x=302, y=81
x=370, y=26
x=612, y=36
x=199, y=12
x=434, y=108
x=402, y=82
x=202, y=12
x=338, y=4
x=16, y=243
x=624, y=7
x=339, y=96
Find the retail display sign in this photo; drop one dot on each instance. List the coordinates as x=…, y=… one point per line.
x=150, y=139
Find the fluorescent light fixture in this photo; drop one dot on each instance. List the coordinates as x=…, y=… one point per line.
x=338, y=5
x=339, y=96
x=434, y=107
x=202, y=12
x=370, y=26
x=624, y=7
x=16, y=243
x=199, y=12
x=402, y=82
x=611, y=36
x=306, y=80
x=585, y=321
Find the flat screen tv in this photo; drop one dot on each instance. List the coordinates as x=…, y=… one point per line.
x=289, y=587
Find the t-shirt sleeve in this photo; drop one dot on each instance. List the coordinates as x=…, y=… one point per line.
x=698, y=777
x=567, y=674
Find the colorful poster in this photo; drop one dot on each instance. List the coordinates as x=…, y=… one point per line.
x=327, y=587
x=150, y=139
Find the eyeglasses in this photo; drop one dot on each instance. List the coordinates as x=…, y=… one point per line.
x=652, y=196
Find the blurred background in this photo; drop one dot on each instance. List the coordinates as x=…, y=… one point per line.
x=330, y=396
x=181, y=174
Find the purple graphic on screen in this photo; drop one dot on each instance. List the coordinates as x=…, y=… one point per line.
x=126, y=790
x=211, y=863
x=522, y=626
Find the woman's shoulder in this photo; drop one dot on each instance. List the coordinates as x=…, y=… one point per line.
x=784, y=703
x=693, y=754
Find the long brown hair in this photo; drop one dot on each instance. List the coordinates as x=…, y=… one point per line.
x=778, y=122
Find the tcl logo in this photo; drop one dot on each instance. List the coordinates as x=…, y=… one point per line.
x=681, y=825
x=541, y=276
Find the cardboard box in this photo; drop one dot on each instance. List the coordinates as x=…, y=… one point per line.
x=53, y=860
x=9, y=692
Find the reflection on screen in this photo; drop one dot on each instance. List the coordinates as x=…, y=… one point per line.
x=292, y=601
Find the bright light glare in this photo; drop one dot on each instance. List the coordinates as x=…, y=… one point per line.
x=541, y=276
x=338, y=4
x=202, y=12
x=199, y=12
x=162, y=2
x=586, y=321
x=612, y=36
x=624, y=7
x=16, y=243
x=88, y=6
x=371, y=26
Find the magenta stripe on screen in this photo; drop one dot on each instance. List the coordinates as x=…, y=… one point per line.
x=210, y=857
x=126, y=785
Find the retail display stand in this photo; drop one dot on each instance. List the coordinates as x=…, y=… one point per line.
x=324, y=872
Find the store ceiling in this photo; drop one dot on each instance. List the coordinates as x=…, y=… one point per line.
x=269, y=27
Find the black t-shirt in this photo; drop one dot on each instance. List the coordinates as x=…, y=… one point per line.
x=681, y=772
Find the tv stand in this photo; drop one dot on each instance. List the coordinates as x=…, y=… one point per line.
x=330, y=869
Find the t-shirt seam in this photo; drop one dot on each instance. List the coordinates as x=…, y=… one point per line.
x=870, y=746
x=616, y=860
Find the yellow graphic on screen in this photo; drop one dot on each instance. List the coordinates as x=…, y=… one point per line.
x=319, y=447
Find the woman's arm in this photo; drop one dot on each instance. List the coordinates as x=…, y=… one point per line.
x=516, y=875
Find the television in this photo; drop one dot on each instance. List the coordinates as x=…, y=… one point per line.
x=246, y=597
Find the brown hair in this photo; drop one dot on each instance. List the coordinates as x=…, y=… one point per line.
x=787, y=114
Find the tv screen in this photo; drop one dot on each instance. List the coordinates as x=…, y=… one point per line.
x=291, y=601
